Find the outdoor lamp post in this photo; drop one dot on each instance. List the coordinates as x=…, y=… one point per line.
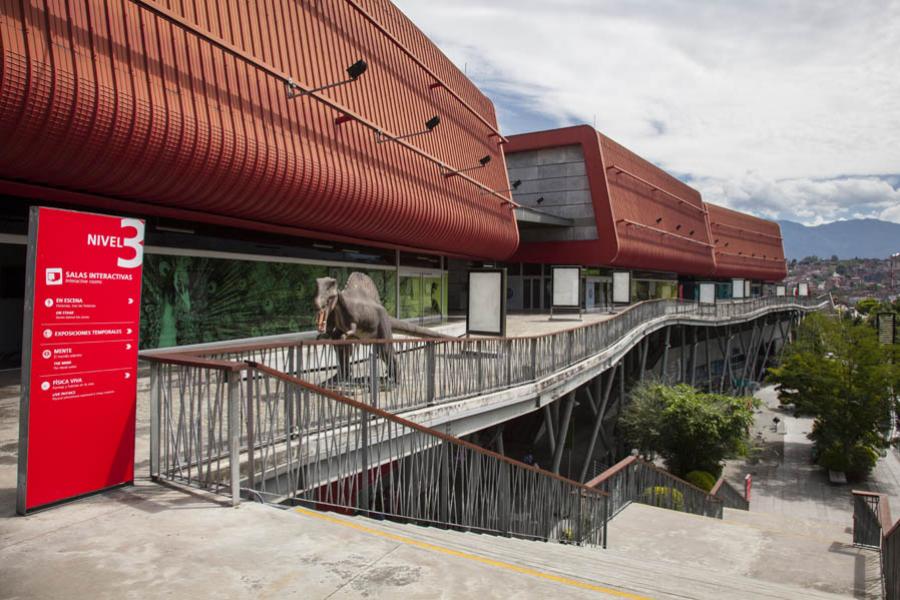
x=894, y=256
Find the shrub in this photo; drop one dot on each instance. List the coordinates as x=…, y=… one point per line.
x=703, y=480
x=664, y=497
x=856, y=463
x=689, y=429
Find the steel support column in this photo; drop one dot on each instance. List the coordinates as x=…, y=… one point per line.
x=563, y=431
x=709, y=382
x=598, y=423
x=726, y=362
x=664, y=376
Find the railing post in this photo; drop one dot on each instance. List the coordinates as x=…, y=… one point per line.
x=363, y=496
x=233, y=379
x=508, y=345
x=605, y=511
x=373, y=376
x=444, y=492
x=503, y=502
x=578, y=500
x=534, y=373
x=480, y=366
x=155, y=417
x=251, y=434
x=430, y=373
x=289, y=393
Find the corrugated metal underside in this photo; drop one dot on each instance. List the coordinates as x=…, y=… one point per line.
x=646, y=219
x=746, y=246
x=111, y=100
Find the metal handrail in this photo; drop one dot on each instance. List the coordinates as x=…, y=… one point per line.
x=873, y=527
x=656, y=188
x=663, y=232
x=381, y=414
x=423, y=372
x=635, y=480
x=248, y=428
x=729, y=496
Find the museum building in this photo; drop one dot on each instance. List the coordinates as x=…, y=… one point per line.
x=267, y=144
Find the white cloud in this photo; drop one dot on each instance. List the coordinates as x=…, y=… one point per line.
x=804, y=200
x=798, y=100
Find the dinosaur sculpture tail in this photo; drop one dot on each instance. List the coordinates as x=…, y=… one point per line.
x=409, y=328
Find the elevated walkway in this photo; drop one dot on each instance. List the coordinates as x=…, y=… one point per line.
x=271, y=406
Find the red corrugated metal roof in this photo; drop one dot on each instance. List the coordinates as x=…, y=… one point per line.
x=746, y=246
x=646, y=219
x=111, y=100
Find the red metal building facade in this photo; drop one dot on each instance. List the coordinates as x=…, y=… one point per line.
x=647, y=219
x=746, y=246
x=179, y=109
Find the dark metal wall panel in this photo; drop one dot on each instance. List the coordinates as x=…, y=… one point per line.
x=112, y=100
x=746, y=246
x=602, y=251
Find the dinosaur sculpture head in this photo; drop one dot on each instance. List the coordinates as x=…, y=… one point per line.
x=326, y=298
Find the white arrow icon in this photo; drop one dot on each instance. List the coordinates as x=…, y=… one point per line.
x=128, y=331
x=128, y=346
x=127, y=375
x=131, y=301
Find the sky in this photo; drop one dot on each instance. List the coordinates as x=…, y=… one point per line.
x=788, y=110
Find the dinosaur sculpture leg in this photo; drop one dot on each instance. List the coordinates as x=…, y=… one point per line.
x=387, y=350
x=341, y=351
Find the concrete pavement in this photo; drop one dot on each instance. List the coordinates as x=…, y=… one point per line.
x=155, y=541
x=786, y=481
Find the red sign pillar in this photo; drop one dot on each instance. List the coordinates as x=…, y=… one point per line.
x=79, y=355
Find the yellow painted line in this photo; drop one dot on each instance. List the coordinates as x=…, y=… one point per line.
x=474, y=557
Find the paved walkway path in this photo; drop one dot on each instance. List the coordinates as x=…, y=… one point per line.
x=787, y=482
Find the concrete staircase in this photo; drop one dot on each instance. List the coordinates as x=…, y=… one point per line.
x=654, y=553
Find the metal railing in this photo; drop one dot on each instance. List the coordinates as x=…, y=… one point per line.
x=635, y=480
x=866, y=521
x=246, y=428
x=416, y=373
x=874, y=528
x=890, y=562
x=730, y=497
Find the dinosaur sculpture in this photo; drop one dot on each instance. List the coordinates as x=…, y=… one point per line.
x=356, y=312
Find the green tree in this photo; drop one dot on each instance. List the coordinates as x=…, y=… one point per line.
x=837, y=372
x=868, y=305
x=689, y=429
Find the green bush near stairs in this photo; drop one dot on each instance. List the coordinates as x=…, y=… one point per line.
x=702, y=479
x=664, y=497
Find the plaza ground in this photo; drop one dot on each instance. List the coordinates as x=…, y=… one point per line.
x=151, y=540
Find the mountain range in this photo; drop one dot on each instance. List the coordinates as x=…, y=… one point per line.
x=854, y=238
